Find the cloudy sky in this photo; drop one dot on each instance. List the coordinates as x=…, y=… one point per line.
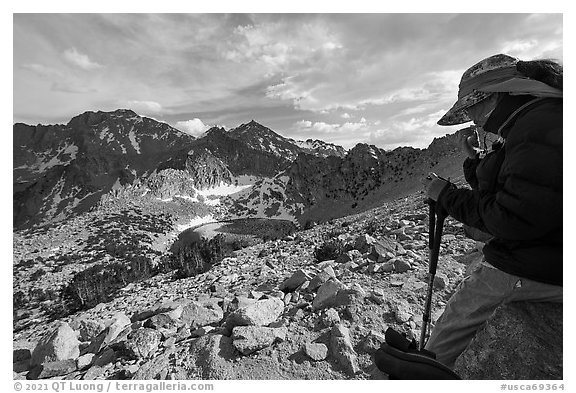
x=383, y=79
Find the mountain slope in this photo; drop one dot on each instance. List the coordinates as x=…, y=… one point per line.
x=65, y=169
x=317, y=189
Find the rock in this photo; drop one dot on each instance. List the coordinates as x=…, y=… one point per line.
x=363, y=242
x=249, y=339
x=141, y=343
x=107, y=356
x=256, y=294
x=381, y=249
x=154, y=367
x=240, y=302
x=329, y=318
x=377, y=296
x=297, y=279
x=372, y=342
x=162, y=323
x=196, y=315
x=400, y=265
x=316, y=351
x=21, y=366
x=326, y=295
x=260, y=313
x=386, y=267
x=209, y=358
x=414, y=285
x=402, y=311
x=342, y=350
x=94, y=372
x=116, y=325
x=343, y=258
x=201, y=331
x=326, y=274
x=440, y=281
x=324, y=264
x=60, y=344
x=519, y=341
x=53, y=369
x=21, y=354
x=89, y=328
x=84, y=361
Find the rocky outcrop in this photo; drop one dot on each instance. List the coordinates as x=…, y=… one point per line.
x=207, y=170
x=520, y=341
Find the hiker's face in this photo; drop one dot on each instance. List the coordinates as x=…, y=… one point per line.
x=480, y=112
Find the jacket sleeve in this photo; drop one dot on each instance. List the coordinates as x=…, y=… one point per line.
x=528, y=204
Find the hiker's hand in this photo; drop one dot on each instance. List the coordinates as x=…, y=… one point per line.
x=468, y=140
x=433, y=185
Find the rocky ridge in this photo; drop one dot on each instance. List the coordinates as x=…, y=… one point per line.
x=65, y=170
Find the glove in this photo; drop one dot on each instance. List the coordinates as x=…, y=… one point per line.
x=434, y=185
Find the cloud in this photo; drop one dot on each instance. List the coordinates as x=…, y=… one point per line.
x=193, y=127
x=80, y=60
x=414, y=131
x=146, y=107
x=42, y=70
x=320, y=127
x=72, y=87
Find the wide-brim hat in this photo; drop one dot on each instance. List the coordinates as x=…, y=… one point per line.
x=472, y=79
x=494, y=74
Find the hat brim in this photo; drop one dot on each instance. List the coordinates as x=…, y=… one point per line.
x=457, y=114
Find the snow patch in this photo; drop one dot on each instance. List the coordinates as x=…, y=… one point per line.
x=187, y=197
x=104, y=132
x=198, y=220
x=132, y=137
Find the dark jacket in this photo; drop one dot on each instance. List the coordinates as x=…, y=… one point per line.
x=517, y=191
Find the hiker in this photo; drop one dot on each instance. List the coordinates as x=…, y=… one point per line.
x=516, y=194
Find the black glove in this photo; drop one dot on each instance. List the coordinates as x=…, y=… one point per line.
x=434, y=185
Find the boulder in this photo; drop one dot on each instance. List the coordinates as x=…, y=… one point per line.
x=141, y=343
x=53, y=369
x=326, y=274
x=197, y=315
x=440, y=281
x=342, y=350
x=326, y=295
x=161, y=307
x=249, y=339
x=60, y=344
x=89, y=328
x=259, y=313
x=520, y=341
x=209, y=358
x=400, y=265
x=162, y=323
x=84, y=361
x=116, y=325
x=379, y=250
x=297, y=279
x=154, y=367
x=316, y=351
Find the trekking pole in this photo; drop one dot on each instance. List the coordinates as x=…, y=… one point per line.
x=435, y=227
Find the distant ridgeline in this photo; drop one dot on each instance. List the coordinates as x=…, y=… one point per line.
x=65, y=170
